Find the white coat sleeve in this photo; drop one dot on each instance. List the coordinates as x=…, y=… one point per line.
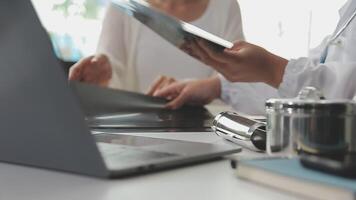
x=335, y=79
x=112, y=44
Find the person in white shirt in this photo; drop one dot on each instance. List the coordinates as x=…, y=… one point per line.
x=251, y=74
x=137, y=55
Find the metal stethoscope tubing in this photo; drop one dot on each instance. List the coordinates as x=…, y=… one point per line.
x=335, y=36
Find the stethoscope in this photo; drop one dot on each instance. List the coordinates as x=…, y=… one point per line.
x=335, y=36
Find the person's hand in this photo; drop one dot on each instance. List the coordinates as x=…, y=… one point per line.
x=194, y=92
x=94, y=70
x=159, y=83
x=244, y=62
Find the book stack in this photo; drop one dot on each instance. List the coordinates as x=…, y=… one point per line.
x=289, y=175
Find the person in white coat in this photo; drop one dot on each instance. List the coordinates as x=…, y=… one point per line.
x=137, y=55
x=251, y=74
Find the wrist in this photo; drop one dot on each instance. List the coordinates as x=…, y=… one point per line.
x=278, y=66
x=215, y=87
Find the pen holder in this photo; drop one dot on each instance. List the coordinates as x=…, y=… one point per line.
x=241, y=130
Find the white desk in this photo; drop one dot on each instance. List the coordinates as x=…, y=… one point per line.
x=213, y=180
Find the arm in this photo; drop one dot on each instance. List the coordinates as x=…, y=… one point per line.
x=248, y=98
x=244, y=62
x=249, y=63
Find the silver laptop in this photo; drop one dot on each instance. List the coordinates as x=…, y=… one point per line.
x=41, y=121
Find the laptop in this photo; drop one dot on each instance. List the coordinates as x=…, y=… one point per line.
x=42, y=123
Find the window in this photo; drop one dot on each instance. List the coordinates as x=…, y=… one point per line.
x=74, y=25
x=289, y=27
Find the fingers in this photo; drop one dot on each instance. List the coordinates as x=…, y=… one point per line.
x=75, y=74
x=94, y=70
x=214, y=55
x=100, y=59
x=104, y=72
x=177, y=93
x=76, y=71
x=154, y=87
x=101, y=65
x=178, y=102
x=202, y=55
x=170, y=91
x=238, y=45
x=187, y=48
x=159, y=83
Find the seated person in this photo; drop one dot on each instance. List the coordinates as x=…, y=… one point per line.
x=130, y=56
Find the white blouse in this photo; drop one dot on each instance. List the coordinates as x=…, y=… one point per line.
x=138, y=55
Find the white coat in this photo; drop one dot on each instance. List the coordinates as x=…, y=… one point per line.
x=336, y=77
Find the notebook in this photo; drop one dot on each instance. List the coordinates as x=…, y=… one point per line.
x=289, y=175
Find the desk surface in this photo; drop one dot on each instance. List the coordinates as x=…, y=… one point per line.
x=214, y=180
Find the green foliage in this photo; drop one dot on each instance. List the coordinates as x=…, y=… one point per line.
x=89, y=9
x=63, y=7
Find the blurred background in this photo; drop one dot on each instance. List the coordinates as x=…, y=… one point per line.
x=286, y=27
x=74, y=25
